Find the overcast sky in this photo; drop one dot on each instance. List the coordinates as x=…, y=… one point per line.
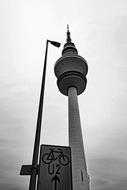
x=99, y=31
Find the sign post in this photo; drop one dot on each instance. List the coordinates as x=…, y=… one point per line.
x=54, y=168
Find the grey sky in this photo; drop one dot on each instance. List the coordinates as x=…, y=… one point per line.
x=99, y=31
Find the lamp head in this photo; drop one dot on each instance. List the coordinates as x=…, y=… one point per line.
x=57, y=44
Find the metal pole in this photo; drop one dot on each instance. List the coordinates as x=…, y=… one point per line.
x=32, y=183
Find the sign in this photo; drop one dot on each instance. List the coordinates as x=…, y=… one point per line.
x=55, y=168
x=26, y=170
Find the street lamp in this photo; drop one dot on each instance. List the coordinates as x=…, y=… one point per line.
x=57, y=44
x=32, y=169
x=39, y=119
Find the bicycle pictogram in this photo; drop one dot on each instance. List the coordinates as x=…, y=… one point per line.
x=53, y=155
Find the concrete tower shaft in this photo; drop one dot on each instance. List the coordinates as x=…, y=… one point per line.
x=79, y=169
x=71, y=69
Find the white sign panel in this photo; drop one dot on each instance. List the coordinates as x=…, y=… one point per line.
x=55, y=168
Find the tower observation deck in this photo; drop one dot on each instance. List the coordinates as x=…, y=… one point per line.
x=71, y=70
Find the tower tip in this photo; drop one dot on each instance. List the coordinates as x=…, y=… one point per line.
x=67, y=27
x=68, y=35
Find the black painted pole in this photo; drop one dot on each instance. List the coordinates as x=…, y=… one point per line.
x=32, y=184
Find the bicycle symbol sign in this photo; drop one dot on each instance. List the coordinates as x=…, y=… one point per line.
x=54, y=168
x=53, y=155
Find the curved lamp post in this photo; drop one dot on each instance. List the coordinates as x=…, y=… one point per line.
x=32, y=183
x=32, y=169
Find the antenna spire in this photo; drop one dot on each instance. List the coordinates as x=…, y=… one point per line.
x=67, y=27
x=68, y=35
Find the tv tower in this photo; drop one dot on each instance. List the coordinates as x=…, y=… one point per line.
x=71, y=70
